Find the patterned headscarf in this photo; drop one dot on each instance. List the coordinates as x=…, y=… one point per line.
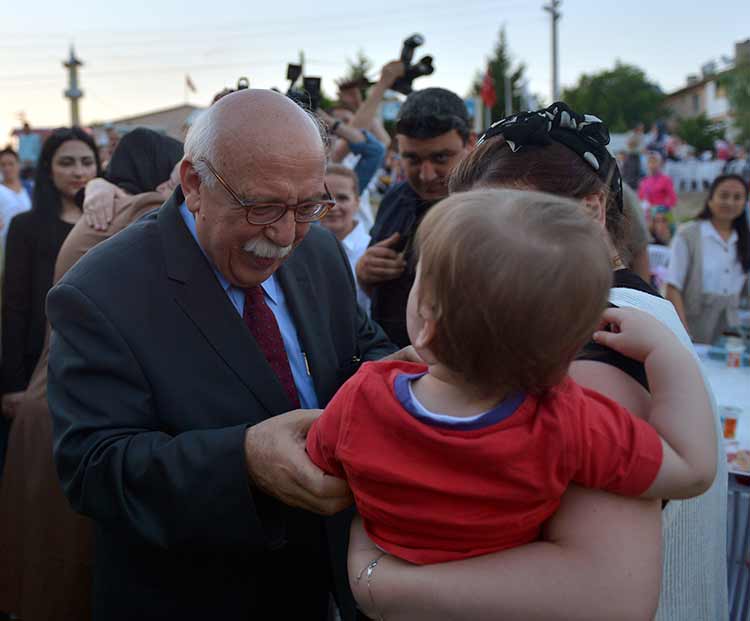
x=585, y=135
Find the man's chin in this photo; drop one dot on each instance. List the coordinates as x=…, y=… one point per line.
x=433, y=194
x=252, y=270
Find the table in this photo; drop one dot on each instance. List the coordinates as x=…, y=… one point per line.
x=731, y=387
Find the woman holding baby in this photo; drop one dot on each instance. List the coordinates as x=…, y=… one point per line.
x=600, y=556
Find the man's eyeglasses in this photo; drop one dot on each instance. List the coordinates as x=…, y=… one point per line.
x=263, y=214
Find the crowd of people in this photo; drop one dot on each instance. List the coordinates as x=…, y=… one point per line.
x=513, y=422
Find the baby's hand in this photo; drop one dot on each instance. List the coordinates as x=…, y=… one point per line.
x=634, y=333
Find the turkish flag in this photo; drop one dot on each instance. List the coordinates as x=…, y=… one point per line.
x=488, y=94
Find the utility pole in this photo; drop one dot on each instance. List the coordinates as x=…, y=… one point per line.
x=73, y=93
x=551, y=8
x=508, y=91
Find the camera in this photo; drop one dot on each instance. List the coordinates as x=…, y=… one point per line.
x=424, y=67
x=309, y=95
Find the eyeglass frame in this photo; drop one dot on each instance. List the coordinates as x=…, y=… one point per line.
x=328, y=203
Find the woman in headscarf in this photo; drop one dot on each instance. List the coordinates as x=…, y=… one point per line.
x=46, y=548
x=600, y=557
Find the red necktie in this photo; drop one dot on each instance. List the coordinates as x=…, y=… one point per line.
x=262, y=325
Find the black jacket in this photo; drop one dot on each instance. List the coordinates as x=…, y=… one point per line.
x=401, y=211
x=153, y=380
x=30, y=254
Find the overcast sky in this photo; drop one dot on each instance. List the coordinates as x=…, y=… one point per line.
x=136, y=55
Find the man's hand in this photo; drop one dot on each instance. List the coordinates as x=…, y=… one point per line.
x=634, y=334
x=391, y=72
x=278, y=465
x=381, y=262
x=10, y=403
x=99, y=204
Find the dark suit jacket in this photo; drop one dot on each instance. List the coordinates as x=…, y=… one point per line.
x=153, y=380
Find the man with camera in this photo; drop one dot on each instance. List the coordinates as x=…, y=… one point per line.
x=433, y=134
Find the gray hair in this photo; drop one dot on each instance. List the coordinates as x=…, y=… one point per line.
x=200, y=143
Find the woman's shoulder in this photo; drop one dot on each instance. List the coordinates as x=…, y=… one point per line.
x=24, y=224
x=686, y=229
x=628, y=279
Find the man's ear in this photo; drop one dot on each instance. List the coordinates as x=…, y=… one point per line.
x=190, y=182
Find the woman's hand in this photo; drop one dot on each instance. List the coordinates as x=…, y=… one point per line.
x=99, y=203
x=10, y=403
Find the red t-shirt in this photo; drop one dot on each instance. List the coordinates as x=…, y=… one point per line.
x=431, y=491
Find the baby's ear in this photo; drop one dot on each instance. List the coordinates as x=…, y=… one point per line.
x=426, y=334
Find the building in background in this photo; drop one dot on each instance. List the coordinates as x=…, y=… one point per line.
x=173, y=122
x=705, y=94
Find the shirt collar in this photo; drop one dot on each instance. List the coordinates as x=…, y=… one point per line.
x=270, y=287
x=708, y=230
x=357, y=238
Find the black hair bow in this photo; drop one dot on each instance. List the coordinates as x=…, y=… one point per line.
x=584, y=134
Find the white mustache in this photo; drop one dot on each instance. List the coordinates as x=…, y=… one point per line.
x=265, y=249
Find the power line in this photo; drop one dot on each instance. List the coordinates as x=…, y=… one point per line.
x=333, y=22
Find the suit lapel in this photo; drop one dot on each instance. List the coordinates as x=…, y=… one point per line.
x=200, y=296
x=307, y=315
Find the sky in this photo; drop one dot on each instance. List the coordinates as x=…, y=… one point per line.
x=136, y=56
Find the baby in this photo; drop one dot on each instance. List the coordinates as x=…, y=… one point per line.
x=471, y=452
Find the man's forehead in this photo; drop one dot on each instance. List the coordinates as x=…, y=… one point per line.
x=280, y=178
x=449, y=141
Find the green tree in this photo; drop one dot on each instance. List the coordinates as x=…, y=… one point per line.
x=357, y=70
x=500, y=64
x=737, y=83
x=622, y=97
x=699, y=132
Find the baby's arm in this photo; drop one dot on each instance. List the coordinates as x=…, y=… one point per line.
x=680, y=405
x=325, y=433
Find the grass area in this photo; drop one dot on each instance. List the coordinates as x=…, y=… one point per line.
x=689, y=204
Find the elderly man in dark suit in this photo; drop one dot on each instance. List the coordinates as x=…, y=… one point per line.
x=188, y=357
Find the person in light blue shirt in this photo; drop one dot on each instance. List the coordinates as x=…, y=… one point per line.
x=29, y=147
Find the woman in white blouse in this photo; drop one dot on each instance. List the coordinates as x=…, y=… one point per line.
x=343, y=184
x=710, y=261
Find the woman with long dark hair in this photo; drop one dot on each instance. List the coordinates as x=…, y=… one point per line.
x=45, y=547
x=68, y=160
x=710, y=261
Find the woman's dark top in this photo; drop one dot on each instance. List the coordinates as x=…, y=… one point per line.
x=30, y=253
x=593, y=351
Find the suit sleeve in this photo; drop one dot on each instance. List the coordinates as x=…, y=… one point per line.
x=612, y=449
x=115, y=465
x=372, y=342
x=16, y=307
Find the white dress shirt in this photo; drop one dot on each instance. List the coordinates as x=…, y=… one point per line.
x=722, y=272
x=355, y=245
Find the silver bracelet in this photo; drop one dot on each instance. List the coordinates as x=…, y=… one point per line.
x=370, y=569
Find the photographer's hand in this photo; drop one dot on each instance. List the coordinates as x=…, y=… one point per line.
x=391, y=72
